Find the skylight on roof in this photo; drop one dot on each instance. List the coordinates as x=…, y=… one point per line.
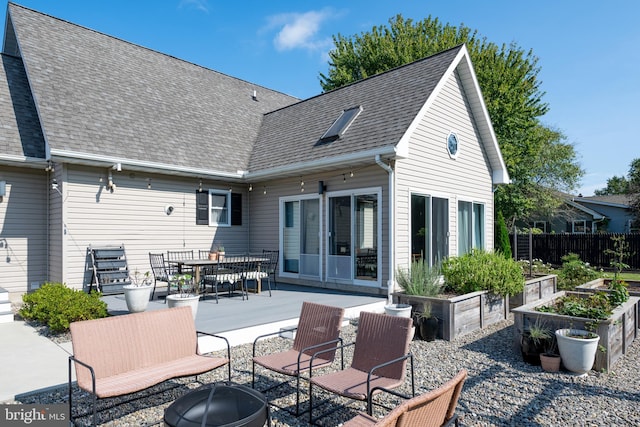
x=342, y=123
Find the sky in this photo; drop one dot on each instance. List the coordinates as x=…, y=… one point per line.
x=587, y=49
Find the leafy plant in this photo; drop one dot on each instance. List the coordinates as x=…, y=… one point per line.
x=539, y=333
x=483, y=271
x=420, y=279
x=426, y=312
x=56, y=306
x=140, y=280
x=186, y=285
x=619, y=293
x=574, y=272
x=596, y=306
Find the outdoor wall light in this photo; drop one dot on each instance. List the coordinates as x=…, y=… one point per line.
x=110, y=185
x=321, y=187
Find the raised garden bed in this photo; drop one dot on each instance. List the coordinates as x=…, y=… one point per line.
x=534, y=289
x=616, y=333
x=460, y=315
x=602, y=285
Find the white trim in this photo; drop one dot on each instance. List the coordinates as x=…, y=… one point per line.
x=218, y=192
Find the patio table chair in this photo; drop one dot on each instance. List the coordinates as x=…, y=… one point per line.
x=217, y=275
x=318, y=330
x=161, y=273
x=271, y=266
x=433, y=409
x=174, y=256
x=380, y=355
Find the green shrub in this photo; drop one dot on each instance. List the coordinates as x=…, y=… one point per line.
x=574, y=272
x=503, y=243
x=483, y=271
x=420, y=279
x=56, y=306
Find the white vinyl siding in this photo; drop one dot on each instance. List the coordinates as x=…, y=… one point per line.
x=135, y=215
x=429, y=170
x=23, y=228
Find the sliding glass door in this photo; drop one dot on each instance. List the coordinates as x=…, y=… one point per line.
x=353, y=236
x=429, y=228
x=300, y=235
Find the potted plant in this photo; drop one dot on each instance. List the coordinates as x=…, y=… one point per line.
x=138, y=293
x=550, y=359
x=534, y=341
x=187, y=294
x=577, y=349
x=427, y=323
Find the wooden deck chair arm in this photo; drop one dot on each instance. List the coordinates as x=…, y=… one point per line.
x=260, y=337
x=387, y=363
x=340, y=347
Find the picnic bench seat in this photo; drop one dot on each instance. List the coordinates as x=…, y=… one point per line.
x=119, y=355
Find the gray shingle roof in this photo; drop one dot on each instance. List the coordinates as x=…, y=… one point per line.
x=390, y=101
x=103, y=96
x=20, y=133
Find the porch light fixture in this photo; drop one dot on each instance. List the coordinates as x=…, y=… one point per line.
x=250, y=187
x=265, y=191
x=49, y=167
x=200, y=186
x=110, y=185
x=148, y=183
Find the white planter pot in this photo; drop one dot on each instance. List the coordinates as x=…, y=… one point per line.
x=180, y=300
x=578, y=354
x=137, y=297
x=398, y=310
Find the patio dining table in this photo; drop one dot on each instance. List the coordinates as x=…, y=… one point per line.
x=228, y=261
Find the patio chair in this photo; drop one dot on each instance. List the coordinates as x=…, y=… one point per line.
x=318, y=330
x=255, y=271
x=161, y=273
x=174, y=256
x=433, y=409
x=380, y=355
x=218, y=275
x=271, y=266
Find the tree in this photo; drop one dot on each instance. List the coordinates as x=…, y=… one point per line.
x=539, y=160
x=503, y=243
x=615, y=185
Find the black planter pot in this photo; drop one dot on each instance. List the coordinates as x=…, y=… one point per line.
x=531, y=350
x=428, y=328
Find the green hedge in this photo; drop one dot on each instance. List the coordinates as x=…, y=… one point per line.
x=56, y=306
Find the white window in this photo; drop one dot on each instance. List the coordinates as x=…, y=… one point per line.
x=219, y=203
x=470, y=226
x=580, y=227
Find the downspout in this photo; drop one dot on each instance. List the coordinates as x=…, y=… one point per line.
x=391, y=281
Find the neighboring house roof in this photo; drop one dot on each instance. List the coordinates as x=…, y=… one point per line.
x=101, y=99
x=21, y=137
x=596, y=215
x=104, y=98
x=613, y=200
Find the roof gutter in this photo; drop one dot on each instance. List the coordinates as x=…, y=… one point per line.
x=391, y=281
x=321, y=163
x=105, y=161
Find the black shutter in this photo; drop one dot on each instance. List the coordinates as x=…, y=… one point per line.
x=236, y=209
x=202, y=207
x=569, y=227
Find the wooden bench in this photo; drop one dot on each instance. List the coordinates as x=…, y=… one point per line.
x=119, y=355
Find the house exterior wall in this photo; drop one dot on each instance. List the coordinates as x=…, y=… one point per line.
x=134, y=215
x=23, y=228
x=620, y=219
x=429, y=170
x=265, y=214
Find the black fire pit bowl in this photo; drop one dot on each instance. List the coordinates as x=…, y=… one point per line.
x=218, y=405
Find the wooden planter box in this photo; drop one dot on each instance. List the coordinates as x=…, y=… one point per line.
x=535, y=289
x=462, y=314
x=616, y=333
x=602, y=285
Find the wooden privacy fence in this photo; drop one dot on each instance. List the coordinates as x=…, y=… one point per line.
x=591, y=248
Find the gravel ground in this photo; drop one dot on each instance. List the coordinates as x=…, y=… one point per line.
x=501, y=390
